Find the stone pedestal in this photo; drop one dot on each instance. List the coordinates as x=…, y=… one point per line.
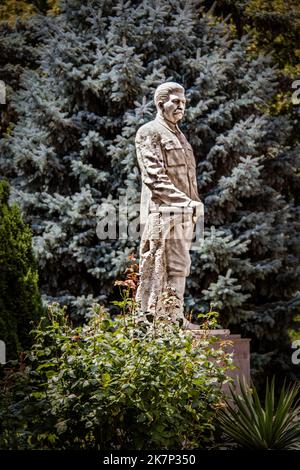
x=240, y=347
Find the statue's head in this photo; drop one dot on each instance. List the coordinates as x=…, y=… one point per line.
x=170, y=101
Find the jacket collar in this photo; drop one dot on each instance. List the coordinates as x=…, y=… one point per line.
x=168, y=125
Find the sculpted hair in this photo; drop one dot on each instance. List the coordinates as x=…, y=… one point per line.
x=163, y=91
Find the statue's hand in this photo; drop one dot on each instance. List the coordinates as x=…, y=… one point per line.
x=198, y=209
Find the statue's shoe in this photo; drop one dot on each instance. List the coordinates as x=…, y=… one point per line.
x=187, y=325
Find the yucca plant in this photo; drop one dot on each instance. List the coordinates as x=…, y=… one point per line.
x=272, y=425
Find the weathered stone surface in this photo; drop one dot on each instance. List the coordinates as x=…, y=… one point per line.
x=170, y=205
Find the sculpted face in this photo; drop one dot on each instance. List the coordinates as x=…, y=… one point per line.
x=173, y=109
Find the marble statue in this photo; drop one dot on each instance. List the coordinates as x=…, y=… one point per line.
x=170, y=207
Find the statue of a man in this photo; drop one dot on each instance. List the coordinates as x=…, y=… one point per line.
x=170, y=206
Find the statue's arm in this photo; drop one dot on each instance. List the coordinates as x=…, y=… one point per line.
x=154, y=175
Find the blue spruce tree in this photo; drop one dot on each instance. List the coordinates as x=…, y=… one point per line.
x=72, y=154
x=18, y=52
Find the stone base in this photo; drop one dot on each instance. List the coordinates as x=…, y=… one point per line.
x=240, y=347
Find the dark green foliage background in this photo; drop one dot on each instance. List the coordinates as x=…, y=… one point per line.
x=72, y=151
x=20, y=302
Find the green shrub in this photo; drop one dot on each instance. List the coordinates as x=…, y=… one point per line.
x=113, y=384
x=20, y=301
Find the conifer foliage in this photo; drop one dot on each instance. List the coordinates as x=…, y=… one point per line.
x=20, y=302
x=72, y=155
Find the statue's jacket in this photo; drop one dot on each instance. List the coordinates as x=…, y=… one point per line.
x=168, y=172
x=168, y=168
